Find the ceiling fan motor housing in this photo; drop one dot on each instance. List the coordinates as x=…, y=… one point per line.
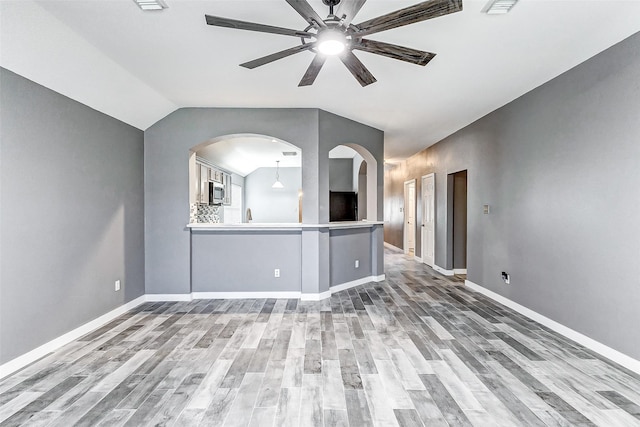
x=331, y=2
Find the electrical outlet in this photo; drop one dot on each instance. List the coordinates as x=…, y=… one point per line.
x=357, y=263
x=276, y=272
x=117, y=286
x=506, y=277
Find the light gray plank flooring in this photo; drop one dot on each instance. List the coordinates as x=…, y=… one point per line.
x=416, y=349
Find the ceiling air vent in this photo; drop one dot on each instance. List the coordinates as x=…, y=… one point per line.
x=499, y=7
x=148, y=5
x=289, y=153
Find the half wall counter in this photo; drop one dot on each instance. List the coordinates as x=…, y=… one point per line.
x=292, y=260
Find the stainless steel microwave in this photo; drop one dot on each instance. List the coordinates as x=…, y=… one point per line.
x=216, y=193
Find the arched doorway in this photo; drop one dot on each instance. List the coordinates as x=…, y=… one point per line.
x=362, y=190
x=352, y=184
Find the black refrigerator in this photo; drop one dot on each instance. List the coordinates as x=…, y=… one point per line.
x=343, y=206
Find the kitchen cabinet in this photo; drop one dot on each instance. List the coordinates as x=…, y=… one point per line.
x=204, y=184
x=202, y=174
x=217, y=176
x=226, y=181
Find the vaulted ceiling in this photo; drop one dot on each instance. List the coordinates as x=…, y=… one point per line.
x=139, y=66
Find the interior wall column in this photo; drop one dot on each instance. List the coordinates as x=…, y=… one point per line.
x=315, y=261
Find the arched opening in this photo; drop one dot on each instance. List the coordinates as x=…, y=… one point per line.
x=352, y=184
x=245, y=178
x=362, y=191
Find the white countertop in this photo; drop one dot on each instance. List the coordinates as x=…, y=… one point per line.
x=252, y=226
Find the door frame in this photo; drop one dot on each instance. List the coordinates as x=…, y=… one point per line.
x=404, y=218
x=433, y=209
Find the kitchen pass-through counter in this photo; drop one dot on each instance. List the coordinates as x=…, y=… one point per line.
x=291, y=260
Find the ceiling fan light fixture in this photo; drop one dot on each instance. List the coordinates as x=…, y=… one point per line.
x=499, y=7
x=331, y=42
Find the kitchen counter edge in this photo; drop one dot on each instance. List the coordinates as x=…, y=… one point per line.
x=280, y=226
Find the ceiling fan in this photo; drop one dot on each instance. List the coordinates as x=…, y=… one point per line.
x=336, y=35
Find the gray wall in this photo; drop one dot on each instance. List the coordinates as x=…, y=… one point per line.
x=394, y=176
x=336, y=130
x=72, y=214
x=341, y=175
x=355, y=169
x=245, y=262
x=346, y=246
x=167, y=145
x=559, y=168
x=269, y=204
x=361, y=176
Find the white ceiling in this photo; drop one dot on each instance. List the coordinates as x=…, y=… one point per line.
x=140, y=66
x=342, y=152
x=244, y=154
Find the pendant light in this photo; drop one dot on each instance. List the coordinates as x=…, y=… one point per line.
x=277, y=184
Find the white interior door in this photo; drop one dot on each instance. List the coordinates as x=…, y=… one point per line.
x=410, y=216
x=428, y=219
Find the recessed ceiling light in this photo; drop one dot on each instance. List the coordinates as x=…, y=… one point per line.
x=148, y=5
x=499, y=7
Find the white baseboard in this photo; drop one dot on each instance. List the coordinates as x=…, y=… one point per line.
x=459, y=271
x=168, y=297
x=395, y=248
x=315, y=297
x=351, y=284
x=243, y=295
x=341, y=287
x=442, y=271
x=602, y=349
x=39, y=352
x=417, y=258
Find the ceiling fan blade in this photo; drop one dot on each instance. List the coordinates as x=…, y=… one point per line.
x=251, y=26
x=357, y=68
x=409, y=15
x=349, y=9
x=313, y=70
x=275, y=56
x=307, y=12
x=414, y=56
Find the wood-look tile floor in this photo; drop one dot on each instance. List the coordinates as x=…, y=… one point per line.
x=415, y=349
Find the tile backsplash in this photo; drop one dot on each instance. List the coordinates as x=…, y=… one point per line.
x=205, y=213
